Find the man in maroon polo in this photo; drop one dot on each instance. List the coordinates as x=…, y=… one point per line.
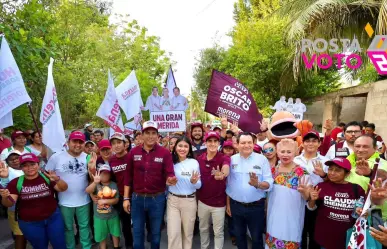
x=214, y=168
x=150, y=169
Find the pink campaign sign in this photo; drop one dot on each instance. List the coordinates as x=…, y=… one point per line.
x=229, y=96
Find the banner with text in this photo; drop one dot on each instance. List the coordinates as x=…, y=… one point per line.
x=13, y=93
x=227, y=95
x=129, y=96
x=169, y=121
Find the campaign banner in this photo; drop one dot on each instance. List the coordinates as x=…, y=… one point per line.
x=13, y=93
x=298, y=115
x=129, y=96
x=169, y=121
x=6, y=121
x=228, y=96
x=50, y=116
x=110, y=110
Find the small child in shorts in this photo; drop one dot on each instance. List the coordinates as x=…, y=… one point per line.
x=106, y=220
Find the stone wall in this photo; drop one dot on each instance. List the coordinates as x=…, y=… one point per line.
x=314, y=112
x=353, y=109
x=376, y=108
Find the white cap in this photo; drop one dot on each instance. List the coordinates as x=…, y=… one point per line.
x=117, y=135
x=148, y=125
x=87, y=125
x=14, y=152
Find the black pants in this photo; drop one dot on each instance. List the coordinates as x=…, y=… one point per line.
x=125, y=219
x=309, y=224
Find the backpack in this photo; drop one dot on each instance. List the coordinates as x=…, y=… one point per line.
x=19, y=186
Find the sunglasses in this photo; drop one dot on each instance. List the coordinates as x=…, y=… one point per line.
x=268, y=150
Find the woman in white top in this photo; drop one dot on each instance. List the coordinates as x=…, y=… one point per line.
x=165, y=101
x=38, y=148
x=181, y=204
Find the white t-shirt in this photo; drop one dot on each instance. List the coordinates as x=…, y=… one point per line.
x=72, y=170
x=262, y=143
x=12, y=174
x=165, y=103
x=6, y=151
x=183, y=172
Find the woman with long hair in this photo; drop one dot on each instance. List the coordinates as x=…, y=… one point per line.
x=181, y=204
x=37, y=146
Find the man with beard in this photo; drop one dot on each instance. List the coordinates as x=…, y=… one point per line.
x=197, y=134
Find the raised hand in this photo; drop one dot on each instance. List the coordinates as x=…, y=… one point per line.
x=318, y=168
x=218, y=175
x=195, y=177
x=223, y=121
x=171, y=181
x=314, y=193
x=97, y=177
x=51, y=175
x=93, y=160
x=234, y=127
x=264, y=125
x=3, y=170
x=363, y=168
x=253, y=179
x=328, y=126
x=378, y=190
x=304, y=187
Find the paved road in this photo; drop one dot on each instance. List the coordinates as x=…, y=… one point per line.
x=6, y=241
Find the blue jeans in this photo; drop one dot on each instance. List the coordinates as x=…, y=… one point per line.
x=39, y=233
x=252, y=217
x=154, y=206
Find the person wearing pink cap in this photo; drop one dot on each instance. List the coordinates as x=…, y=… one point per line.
x=19, y=142
x=227, y=148
x=39, y=217
x=335, y=202
x=311, y=160
x=150, y=170
x=214, y=169
x=72, y=167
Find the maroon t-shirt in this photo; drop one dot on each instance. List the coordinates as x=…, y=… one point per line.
x=212, y=192
x=148, y=172
x=335, y=206
x=4, y=143
x=36, y=200
x=119, y=166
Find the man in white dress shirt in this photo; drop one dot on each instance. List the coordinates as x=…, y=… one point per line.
x=249, y=179
x=153, y=101
x=311, y=160
x=179, y=102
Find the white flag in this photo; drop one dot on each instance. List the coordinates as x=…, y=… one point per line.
x=110, y=109
x=170, y=84
x=13, y=93
x=6, y=120
x=129, y=96
x=53, y=132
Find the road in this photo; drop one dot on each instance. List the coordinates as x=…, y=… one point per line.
x=6, y=241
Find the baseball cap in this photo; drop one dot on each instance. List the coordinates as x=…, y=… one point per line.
x=196, y=124
x=227, y=143
x=341, y=162
x=12, y=152
x=17, y=133
x=217, y=127
x=87, y=125
x=104, y=168
x=212, y=134
x=311, y=134
x=29, y=157
x=77, y=135
x=104, y=144
x=257, y=148
x=117, y=135
x=90, y=142
x=149, y=125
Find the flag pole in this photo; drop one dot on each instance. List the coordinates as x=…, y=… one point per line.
x=33, y=117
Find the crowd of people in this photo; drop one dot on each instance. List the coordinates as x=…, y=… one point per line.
x=278, y=193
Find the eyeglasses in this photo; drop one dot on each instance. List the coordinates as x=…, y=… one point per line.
x=352, y=132
x=268, y=150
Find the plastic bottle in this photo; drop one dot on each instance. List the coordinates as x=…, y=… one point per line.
x=358, y=204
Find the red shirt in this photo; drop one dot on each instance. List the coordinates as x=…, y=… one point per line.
x=212, y=192
x=36, y=200
x=148, y=172
x=4, y=143
x=119, y=166
x=335, y=206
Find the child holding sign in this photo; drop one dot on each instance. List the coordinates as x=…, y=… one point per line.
x=106, y=220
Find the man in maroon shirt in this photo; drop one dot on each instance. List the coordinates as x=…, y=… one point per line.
x=4, y=142
x=214, y=168
x=150, y=169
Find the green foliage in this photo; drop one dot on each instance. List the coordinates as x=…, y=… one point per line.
x=77, y=34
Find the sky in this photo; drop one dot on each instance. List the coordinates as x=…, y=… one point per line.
x=184, y=27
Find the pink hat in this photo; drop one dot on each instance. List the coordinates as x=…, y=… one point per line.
x=77, y=135
x=257, y=148
x=17, y=133
x=227, y=143
x=212, y=134
x=104, y=144
x=29, y=157
x=341, y=162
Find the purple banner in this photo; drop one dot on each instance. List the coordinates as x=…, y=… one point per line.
x=227, y=95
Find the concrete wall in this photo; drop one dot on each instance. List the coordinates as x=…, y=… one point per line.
x=376, y=108
x=353, y=108
x=313, y=113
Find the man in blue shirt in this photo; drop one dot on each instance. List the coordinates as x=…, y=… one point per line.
x=249, y=180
